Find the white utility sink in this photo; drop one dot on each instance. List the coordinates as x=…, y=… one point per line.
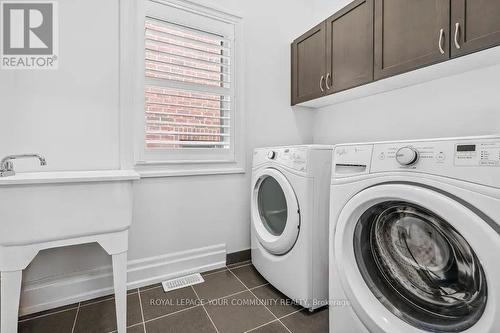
x=54, y=209
x=48, y=206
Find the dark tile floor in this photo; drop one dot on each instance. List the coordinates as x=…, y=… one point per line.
x=231, y=300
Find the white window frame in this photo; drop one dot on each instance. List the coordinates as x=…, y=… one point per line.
x=152, y=163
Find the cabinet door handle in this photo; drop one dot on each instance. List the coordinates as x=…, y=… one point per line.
x=440, y=44
x=457, y=30
x=321, y=83
x=326, y=81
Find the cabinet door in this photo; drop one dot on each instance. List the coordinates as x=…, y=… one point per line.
x=349, y=46
x=308, y=65
x=475, y=25
x=410, y=34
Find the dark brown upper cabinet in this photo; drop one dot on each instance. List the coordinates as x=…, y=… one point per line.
x=475, y=25
x=309, y=65
x=335, y=55
x=349, y=47
x=410, y=34
x=373, y=39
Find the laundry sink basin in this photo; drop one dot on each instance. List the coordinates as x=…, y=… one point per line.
x=42, y=207
x=52, y=209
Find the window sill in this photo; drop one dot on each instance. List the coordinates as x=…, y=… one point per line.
x=149, y=173
x=178, y=168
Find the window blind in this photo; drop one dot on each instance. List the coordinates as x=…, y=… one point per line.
x=188, y=91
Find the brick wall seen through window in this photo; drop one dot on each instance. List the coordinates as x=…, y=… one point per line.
x=191, y=116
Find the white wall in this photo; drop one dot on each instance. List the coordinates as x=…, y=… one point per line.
x=71, y=116
x=460, y=105
x=464, y=104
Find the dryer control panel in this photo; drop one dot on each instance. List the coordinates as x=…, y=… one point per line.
x=294, y=158
x=474, y=159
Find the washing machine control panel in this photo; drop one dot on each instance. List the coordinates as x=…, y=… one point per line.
x=478, y=154
x=406, y=156
x=427, y=154
x=473, y=159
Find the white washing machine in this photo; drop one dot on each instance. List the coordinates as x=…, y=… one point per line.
x=415, y=236
x=289, y=220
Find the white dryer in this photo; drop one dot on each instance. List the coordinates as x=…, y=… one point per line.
x=289, y=220
x=415, y=236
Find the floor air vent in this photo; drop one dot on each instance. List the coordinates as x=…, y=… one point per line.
x=181, y=282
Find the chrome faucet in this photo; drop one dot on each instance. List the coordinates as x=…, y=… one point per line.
x=7, y=166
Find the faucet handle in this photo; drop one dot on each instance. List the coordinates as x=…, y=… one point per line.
x=7, y=169
x=9, y=166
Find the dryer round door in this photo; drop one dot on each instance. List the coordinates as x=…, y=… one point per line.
x=275, y=211
x=412, y=259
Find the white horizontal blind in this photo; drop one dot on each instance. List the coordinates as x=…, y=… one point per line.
x=188, y=89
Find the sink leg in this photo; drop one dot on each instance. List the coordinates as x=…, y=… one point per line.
x=120, y=283
x=11, y=293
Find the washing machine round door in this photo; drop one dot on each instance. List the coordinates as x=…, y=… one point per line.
x=275, y=211
x=412, y=259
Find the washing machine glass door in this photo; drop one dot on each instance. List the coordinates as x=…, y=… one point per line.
x=423, y=256
x=275, y=211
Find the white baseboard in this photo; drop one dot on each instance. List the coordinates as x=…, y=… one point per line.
x=72, y=288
